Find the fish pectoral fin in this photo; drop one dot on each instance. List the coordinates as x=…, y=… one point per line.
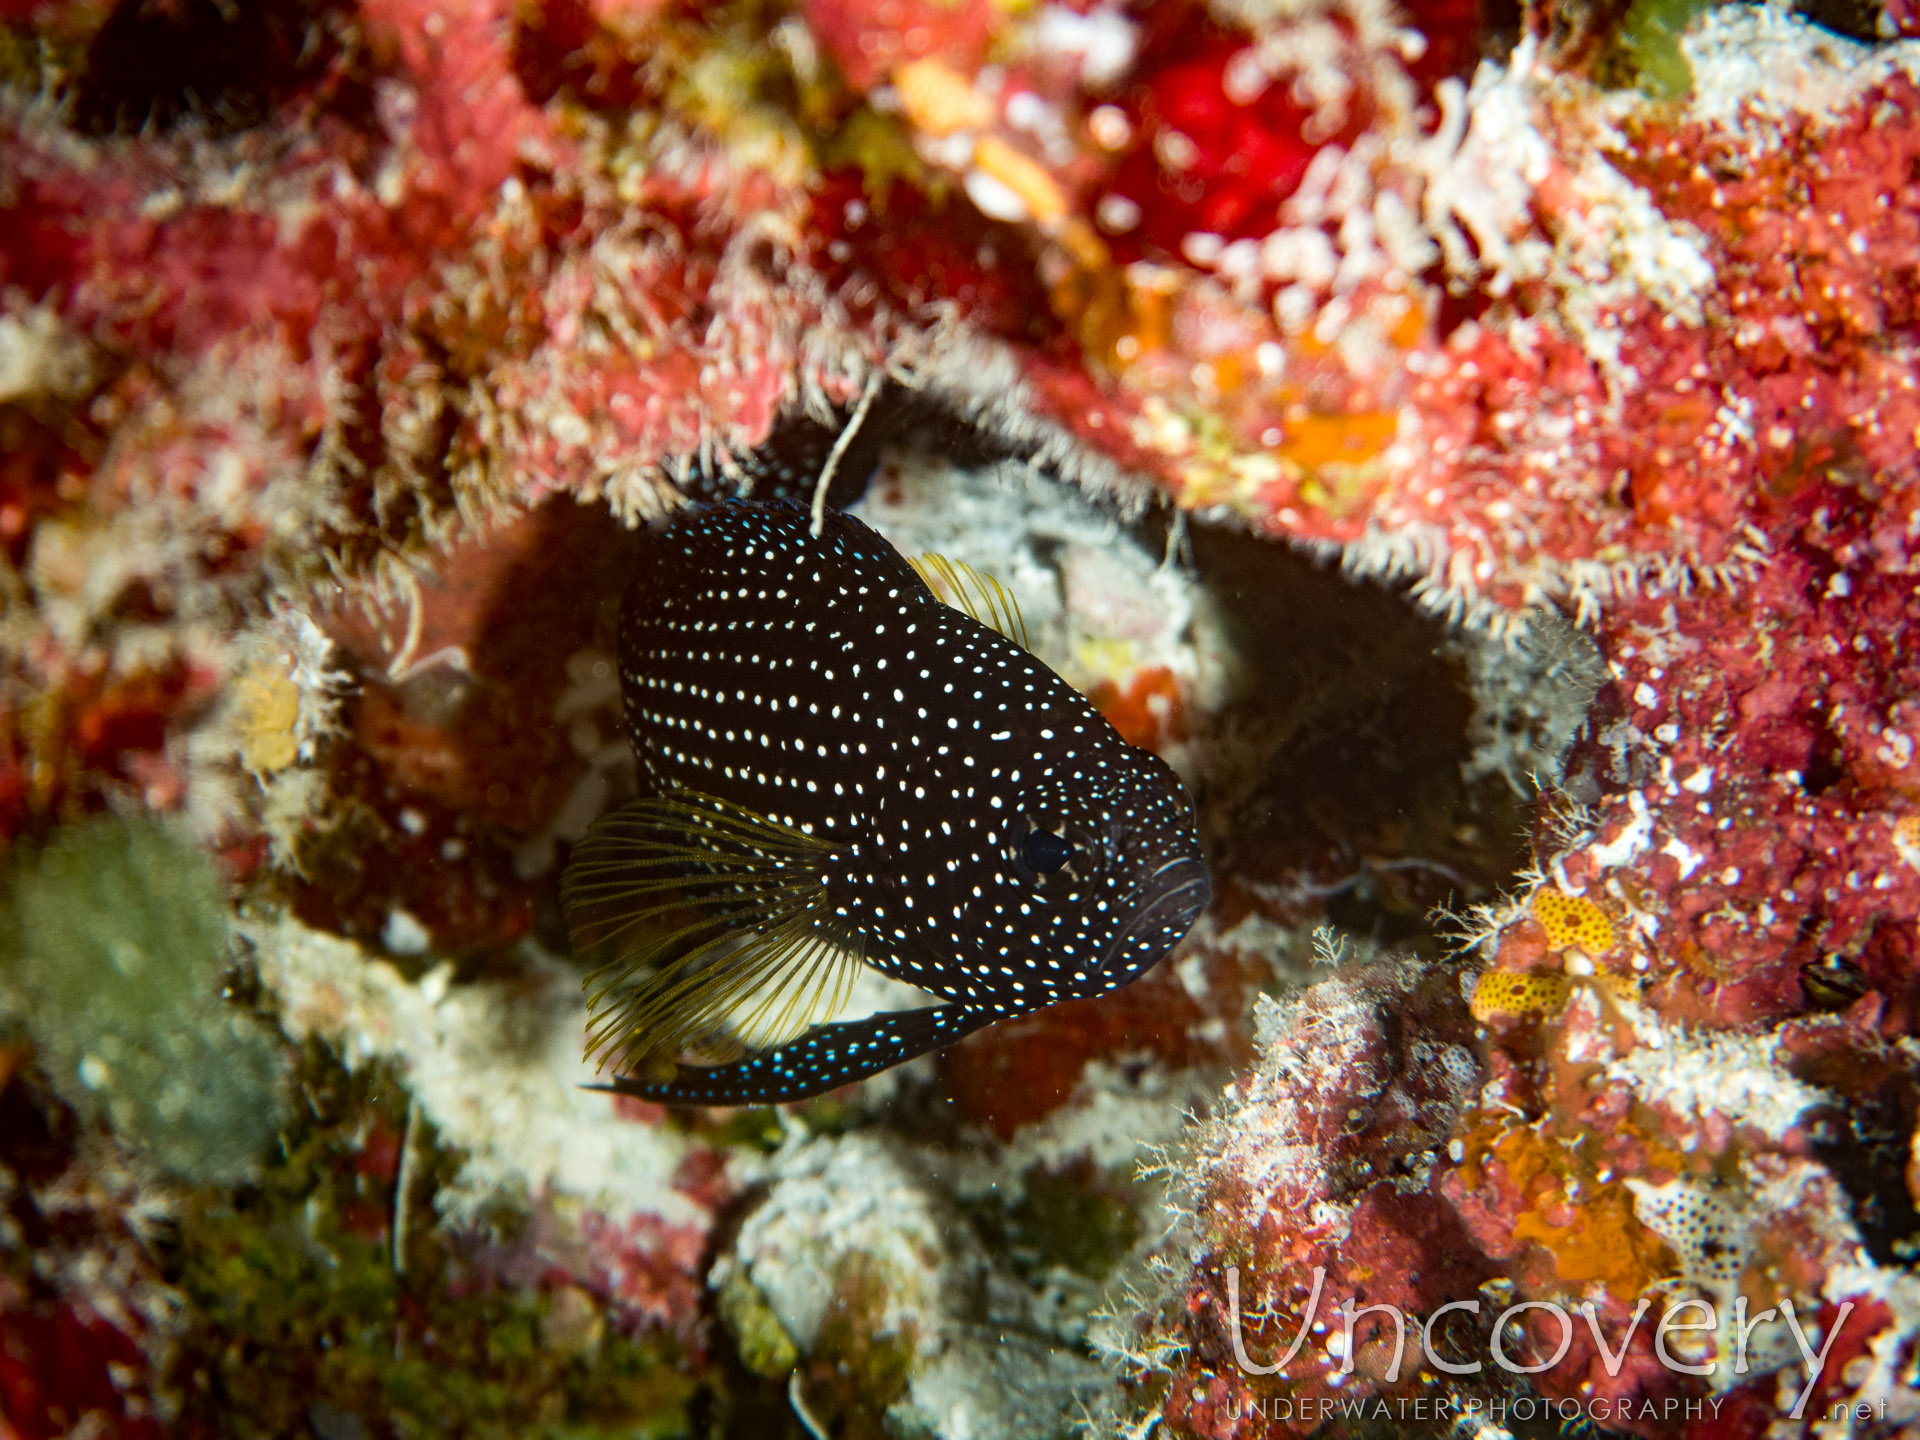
x=663, y=853
x=708, y=920
x=823, y=1059
x=972, y=592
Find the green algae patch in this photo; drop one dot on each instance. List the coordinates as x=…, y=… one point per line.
x=1646, y=51
x=114, y=944
x=1076, y=1216
x=881, y=149
x=306, y=1317
x=863, y=1362
x=764, y=1345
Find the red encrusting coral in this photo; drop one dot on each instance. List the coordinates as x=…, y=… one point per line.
x=1209, y=162
x=84, y=1313
x=1310, y=1191
x=63, y=1368
x=647, y=1270
x=1748, y=845
x=1182, y=1015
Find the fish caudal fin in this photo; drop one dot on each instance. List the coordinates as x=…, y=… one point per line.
x=708, y=921
x=823, y=1059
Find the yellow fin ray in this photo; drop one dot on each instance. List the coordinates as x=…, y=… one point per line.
x=973, y=592
x=709, y=922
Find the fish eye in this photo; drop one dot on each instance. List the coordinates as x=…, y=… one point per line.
x=1045, y=852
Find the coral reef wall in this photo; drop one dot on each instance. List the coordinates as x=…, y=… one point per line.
x=1579, y=344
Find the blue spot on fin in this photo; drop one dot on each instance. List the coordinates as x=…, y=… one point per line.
x=824, y=1058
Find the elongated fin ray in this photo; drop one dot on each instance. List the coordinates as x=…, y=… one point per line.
x=973, y=592
x=822, y=1059
x=709, y=922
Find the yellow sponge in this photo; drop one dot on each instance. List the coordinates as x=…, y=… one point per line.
x=1569, y=920
x=266, y=709
x=1502, y=992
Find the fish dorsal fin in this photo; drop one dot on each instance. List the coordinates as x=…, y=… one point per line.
x=973, y=592
x=710, y=925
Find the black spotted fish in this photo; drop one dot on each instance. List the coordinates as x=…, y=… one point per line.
x=845, y=770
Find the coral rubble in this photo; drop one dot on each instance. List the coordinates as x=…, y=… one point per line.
x=340, y=342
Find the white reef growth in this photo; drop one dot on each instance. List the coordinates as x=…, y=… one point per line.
x=857, y=1227
x=495, y=1067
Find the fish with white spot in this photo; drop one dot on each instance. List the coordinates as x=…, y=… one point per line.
x=845, y=770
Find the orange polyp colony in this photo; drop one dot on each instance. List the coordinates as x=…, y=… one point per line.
x=1570, y=920
x=1501, y=992
x=1621, y=989
x=1599, y=1238
x=1313, y=441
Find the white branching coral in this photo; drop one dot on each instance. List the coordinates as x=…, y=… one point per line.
x=1480, y=169
x=1325, y=1052
x=1471, y=193
x=1600, y=245
x=1324, y=50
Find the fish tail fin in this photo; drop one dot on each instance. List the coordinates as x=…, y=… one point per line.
x=823, y=1059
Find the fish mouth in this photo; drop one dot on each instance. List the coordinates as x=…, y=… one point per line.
x=1180, y=890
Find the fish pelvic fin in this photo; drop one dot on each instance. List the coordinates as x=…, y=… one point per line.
x=710, y=927
x=823, y=1059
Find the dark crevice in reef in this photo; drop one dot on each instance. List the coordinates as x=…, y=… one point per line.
x=1330, y=782
x=743, y=1403
x=1502, y=23
x=788, y=465
x=1865, y=1142
x=1860, y=20
x=228, y=64
x=1333, y=779
x=469, y=739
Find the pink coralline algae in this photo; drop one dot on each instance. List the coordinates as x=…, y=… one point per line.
x=84, y=1312
x=647, y=1270
x=1715, y=465
x=869, y=42
x=1694, y=1020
